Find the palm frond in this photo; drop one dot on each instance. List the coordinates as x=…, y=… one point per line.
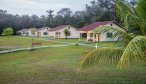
x=128, y=13
x=125, y=11
x=141, y=9
x=101, y=55
x=134, y=52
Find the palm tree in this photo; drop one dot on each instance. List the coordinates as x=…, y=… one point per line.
x=132, y=36
x=50, y=16
x=66, y=33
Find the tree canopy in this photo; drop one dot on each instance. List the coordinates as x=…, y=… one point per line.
x=7, y=32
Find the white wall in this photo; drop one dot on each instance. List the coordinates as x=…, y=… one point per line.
x=24, y=33
x=74, y=33
x=51, y=34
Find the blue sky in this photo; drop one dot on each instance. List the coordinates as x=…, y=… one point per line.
x=39, y=7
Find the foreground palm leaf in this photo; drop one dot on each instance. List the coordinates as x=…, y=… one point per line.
x=131, y=16
x=134, y=51
x=101, y=55
x=141, y=7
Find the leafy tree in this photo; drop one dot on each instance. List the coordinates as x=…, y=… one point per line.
x=134, y=42
x=34, y=20
x=7, y=32
x=50, y=17
x=66, y=33
x=66, y=14
x=43, y=20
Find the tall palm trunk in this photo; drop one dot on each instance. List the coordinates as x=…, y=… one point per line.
x=66, y=37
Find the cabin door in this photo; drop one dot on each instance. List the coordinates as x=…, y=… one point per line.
x=38, y=34
x=58, y=34
x=98, y=37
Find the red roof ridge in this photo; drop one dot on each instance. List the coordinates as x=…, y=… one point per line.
x=58, y=27
x=94, y=25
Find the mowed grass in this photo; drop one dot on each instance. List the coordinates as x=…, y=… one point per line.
x=83, y=41
x=19, y=42
x=59, y=66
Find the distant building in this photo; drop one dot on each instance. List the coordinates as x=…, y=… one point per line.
x=26, y=32
x=58, y=32
x=87, y=31
x=43, y=32
x=23, y=32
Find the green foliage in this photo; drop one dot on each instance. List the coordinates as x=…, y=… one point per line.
x=141, y=9
x=132, y=15
x=7, y=32
x=101, y=55
x=134, y=52
x=67, y=32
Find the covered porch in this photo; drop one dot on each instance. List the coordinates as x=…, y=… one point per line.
x=90, y=37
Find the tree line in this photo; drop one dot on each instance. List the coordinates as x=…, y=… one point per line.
x=99, y=10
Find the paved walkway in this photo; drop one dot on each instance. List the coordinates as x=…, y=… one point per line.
x=65, y=44
x=82, y=44
x=21, y=49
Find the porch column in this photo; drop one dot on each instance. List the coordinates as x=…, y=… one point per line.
x=54, y=35
x=93, y=37
x=88, y=36
x=80, y=37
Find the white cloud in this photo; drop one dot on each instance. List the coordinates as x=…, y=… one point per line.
x=39, y=7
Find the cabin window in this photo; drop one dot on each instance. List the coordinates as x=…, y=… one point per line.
x=109, y=35
x=91, y=34
x=45, y=33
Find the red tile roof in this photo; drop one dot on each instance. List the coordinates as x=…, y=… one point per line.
x=59, y=27
x=94, y=25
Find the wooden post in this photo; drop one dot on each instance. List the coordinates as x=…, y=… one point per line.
x=93, y=37
x=80, y=37
x=96, y=45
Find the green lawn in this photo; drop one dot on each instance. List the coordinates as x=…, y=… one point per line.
x=103, y=44
x=59, y=66
x=19, y=42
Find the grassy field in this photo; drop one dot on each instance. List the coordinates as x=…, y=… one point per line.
x=103, y=44
x=59, y=66
x=19, y=42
